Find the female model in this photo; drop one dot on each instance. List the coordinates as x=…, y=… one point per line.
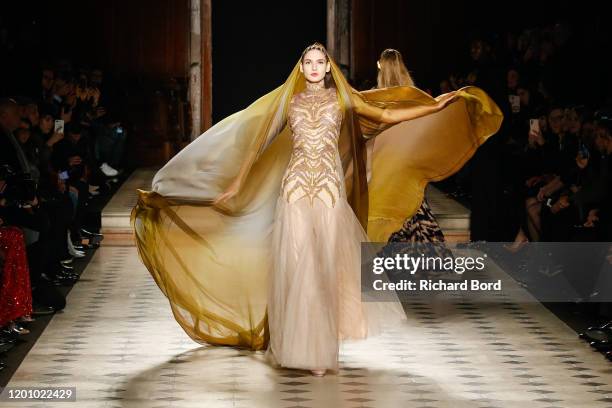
x=253, y=231
x=422, y=226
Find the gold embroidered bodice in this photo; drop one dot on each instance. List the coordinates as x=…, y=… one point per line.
x=315, y=118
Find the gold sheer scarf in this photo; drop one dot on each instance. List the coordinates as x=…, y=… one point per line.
x=212, y=262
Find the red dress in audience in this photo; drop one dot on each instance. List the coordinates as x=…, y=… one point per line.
x=15, y=290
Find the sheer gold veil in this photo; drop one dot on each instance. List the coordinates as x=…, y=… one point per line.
x=212, y=262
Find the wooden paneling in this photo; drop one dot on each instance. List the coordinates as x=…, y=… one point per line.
x=206, y=64
x=137, y=37
x=426, y=33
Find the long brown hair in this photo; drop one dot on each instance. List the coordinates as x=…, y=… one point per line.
x=329, y=82
x=392, y=71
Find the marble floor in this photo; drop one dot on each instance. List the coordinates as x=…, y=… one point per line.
x=119, y=345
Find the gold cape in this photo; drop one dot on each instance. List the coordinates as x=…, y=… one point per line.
x=212, y=262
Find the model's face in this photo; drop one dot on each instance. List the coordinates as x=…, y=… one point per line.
x=314, y=66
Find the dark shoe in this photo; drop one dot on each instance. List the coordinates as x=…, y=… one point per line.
x=597, y=333
x=69, y=275
x=5, y=347
x=67, y=262
x=92, y=244
x=60, y=279
x=7, y=338
x=601, y=345
x=64, y=281
x=18, y=329
x=91, y=234
x=42, y=310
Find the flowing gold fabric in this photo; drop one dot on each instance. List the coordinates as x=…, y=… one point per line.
x=212, y=262
x=410, y=154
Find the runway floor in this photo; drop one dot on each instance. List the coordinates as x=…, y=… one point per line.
x=119, y=345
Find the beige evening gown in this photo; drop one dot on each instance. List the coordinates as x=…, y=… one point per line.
x=314, y=297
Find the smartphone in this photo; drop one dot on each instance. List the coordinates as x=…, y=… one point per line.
x=119, y=130
x=534, y=126
x=515, y=103
x=63, y=175
x=59, y=126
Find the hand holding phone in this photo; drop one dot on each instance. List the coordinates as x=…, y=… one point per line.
x=535, y=135
x=59, y=126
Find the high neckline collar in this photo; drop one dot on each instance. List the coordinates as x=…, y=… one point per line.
x=315, y=86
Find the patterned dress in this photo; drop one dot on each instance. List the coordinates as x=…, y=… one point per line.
x=421, y=227
x=314, y=298
x=423, y=230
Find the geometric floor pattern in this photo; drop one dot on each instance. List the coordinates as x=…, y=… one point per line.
x=119, y=345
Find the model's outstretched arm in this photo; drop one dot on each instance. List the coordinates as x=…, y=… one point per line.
x=393, y=116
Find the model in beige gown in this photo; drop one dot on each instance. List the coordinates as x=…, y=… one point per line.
x=314, y=297
x=253, y=231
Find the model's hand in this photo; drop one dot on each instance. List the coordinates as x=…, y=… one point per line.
x=231, y=191
x=444, y=99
